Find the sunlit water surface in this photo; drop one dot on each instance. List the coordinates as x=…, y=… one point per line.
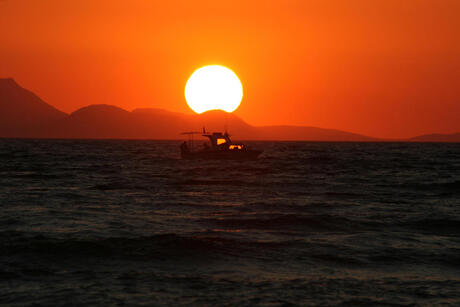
x=128, y=222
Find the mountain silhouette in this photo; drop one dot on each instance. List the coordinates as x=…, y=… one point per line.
x=23, y=114
x=21, y=111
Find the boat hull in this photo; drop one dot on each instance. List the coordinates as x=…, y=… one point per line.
x=222, y=155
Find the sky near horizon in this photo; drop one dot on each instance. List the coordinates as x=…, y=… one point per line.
x=384, y=68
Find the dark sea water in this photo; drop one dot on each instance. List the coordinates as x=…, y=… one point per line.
x=129, y=223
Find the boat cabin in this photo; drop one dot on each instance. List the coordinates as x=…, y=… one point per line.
x=222, y=148
x=219, y=140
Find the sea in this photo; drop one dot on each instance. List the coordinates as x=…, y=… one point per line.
x=128, y=223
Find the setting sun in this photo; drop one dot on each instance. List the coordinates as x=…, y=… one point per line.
x=213, y=87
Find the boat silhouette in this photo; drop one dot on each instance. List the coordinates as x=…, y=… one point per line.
x=220, y=147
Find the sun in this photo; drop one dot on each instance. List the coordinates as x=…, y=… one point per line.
x=213, y=87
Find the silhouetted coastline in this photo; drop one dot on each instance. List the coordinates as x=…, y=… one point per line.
x=24, y=115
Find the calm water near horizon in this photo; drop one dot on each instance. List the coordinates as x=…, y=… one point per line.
x=110, y=222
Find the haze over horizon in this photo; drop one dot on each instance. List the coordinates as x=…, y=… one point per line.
x=381, y=68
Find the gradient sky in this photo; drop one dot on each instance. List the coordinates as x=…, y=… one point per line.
x=386, y=68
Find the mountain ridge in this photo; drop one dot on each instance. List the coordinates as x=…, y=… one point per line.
x=24, y=115
x=21, y=110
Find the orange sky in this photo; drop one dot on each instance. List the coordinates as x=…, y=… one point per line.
x=386, y=68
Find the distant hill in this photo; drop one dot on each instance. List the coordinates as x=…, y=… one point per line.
x=21, y=111
x=299, y=133
x=436, y=138
x=23, y=114
x=106, y=122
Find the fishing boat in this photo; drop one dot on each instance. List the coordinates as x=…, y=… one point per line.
x=219, y=147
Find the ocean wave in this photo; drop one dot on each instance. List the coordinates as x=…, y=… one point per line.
x=159, y=247
x=320, y=223
x=441, y=226
x=451, y=187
